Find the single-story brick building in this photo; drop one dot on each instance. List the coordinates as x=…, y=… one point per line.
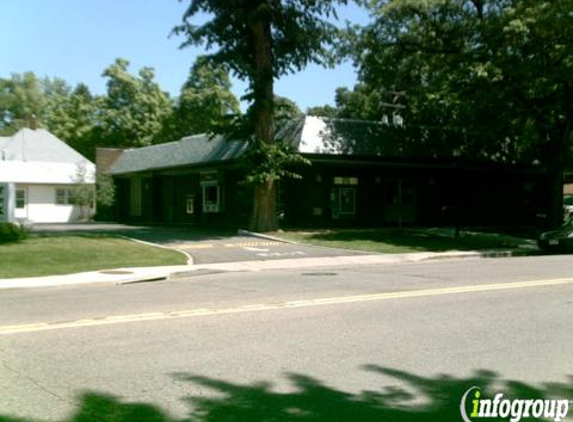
x=198, y=180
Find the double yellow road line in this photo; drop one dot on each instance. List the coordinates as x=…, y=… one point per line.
x=202, y=312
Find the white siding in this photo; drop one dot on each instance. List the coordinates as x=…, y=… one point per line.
x=41, y=206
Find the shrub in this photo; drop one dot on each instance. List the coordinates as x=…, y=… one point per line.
x=12, y=233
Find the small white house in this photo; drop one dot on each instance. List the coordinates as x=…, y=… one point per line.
x=42, y=179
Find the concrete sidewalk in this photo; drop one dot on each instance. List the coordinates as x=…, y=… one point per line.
x=143, y=274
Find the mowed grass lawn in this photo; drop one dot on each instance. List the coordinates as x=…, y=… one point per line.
x=42, y=255
x=403, y=240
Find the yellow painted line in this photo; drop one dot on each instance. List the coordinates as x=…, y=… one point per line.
x=252, y=244
x=198, y=246
x=158, y=316
x=185, y=246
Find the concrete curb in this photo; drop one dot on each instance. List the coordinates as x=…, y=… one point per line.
x=126, y=276
x=190, y=260
x=118, y=276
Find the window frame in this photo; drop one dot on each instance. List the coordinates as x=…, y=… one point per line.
x=65, y=196
x=17, y=200
x=211, y=206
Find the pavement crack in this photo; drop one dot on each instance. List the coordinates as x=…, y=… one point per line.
x=37, y=384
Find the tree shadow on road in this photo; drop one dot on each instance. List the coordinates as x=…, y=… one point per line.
x=410, y=398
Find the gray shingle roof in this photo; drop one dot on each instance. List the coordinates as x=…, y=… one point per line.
x=190, y=150
x=194, y=150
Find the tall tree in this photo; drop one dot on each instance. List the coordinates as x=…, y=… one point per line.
x=285, y=109
x=260, y=40
x=483, y=78
x=205, y=101
x=135, y=108
x=76, y=123
x=21, y=100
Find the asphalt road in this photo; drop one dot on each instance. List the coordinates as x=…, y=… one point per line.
x=388, y=343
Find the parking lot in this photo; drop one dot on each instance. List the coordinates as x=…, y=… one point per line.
x=205, y=246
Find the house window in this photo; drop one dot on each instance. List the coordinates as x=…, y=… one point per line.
x=20, y=198
x=211, y=197
x=65, y=196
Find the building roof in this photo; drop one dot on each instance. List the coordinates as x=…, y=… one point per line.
x=39, y=145
x=37, y=156
x=3, y=140
x=194, y=150
x=187, y=151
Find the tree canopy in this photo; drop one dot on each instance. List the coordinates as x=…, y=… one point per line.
x=486, y=79
x=260, y=41
x=133, y=111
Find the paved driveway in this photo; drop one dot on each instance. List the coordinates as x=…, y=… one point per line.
x=206, y=246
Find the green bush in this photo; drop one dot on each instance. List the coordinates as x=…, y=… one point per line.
x=12, y=233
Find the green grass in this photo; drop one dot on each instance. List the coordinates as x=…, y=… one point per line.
x=42, y=255
x=403, y=241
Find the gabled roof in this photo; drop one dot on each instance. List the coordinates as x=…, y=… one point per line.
x=37, y=156
x=38, y=145
x=3, y=141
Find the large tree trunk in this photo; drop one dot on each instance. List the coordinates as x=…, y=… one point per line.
x=556, y=169
x=264, y=216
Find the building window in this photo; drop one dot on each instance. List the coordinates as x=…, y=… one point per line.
x=190, y=204
x=352, y=181
x=347, y=201
x=211, y=197
x=20, y=198
x=65, y=196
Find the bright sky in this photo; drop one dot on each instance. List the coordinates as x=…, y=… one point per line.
x=77, y=39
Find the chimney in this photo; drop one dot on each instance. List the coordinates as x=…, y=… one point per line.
x=33, y=122
x=106, y=157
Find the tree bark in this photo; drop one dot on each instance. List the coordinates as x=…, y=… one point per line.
x=264, y=208
x=264, y=216
x=556, y=169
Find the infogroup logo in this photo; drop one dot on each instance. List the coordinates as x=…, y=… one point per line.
x=512, y=409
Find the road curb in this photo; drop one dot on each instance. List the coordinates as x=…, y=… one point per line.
x=151, y=274
x=190, y=259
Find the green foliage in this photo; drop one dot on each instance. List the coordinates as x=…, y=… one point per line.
x=259, y=41
x=135, y=108
x=105, y=190
x=21, y=99
x=285, y=109
x=10, y=233
x=323, y=111
x=482, y=79
x=298, y=29
x=272, y=162
x=476, y=74
x=205, y=102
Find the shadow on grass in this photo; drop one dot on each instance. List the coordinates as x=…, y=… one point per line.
x=421, y=240
x=410, y=398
